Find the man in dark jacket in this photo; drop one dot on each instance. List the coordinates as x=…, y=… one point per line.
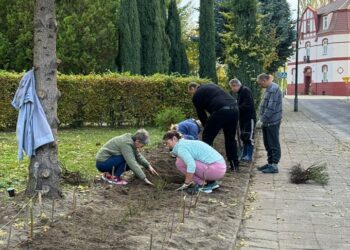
x=223, y=111
x=247, y=117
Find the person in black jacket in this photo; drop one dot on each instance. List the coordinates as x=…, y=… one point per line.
x=223, y=111
x=247, y=117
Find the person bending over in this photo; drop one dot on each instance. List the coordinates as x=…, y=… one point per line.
x=201, y=164
x=121, y=153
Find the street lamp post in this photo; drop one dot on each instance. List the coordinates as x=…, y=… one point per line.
x=296, y=65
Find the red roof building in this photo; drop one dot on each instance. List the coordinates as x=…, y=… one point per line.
x=324, y=50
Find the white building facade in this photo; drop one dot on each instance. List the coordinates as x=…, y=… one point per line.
x=324, y=51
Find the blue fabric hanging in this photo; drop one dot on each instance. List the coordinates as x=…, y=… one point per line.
x=32, y=130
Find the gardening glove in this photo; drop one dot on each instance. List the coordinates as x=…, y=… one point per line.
x=148, y=182
x=152, y=170
x=184, y=186
x=259, y=124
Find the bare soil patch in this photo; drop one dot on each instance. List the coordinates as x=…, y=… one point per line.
x=136, y=217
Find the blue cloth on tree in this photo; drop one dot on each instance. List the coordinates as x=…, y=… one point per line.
x=32, y=129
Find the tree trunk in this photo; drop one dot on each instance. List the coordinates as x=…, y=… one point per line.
x=44, y=171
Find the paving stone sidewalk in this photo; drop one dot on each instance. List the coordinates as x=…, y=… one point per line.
x=282, y=215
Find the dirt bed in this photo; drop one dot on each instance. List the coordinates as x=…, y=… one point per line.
x=136, y=217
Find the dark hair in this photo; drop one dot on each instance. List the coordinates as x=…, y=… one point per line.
x=170, y=134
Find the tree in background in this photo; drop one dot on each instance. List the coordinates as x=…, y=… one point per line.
x=129, y=58
x=220, y=8
x=16, y=34
x=177, y=52
x=154, y=42
x=87, y=39
x=277, y=18
x=249, y=48
x=207, y=58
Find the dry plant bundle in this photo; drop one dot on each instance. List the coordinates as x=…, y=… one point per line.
x=317, y=172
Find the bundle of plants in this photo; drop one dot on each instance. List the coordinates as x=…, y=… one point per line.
x=316, y=172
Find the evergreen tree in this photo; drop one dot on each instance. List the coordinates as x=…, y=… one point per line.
x=277, y=18
x=249, y=49
x=129, y=58
x=154, y=42
x=207, y=58
x=219, y=9
x=178, y=57
x=87, y=38
x=16, y=34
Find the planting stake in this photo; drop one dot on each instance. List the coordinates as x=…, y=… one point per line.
x=31, y=219
x=184, y=210
x=150, y=244
x=52, y=209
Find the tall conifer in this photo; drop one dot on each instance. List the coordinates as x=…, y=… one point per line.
x=129, y=58
x=154, y=42
x=178, y=57
x=207, y=57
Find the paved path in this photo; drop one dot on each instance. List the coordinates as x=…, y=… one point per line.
x=282, y=215
x=331, y=112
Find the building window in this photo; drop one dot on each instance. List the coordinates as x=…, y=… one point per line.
x=308, y=51
x=325, y=46
x=325, y=22
x=324, y=73
x=293, y=75
x=308, y=26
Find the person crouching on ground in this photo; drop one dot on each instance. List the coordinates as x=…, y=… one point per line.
x=121, y=153
x=189, y=128
x=247, y=117
x=201, y=164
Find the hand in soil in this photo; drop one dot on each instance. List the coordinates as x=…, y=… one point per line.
x=148, y=182
x=184, y=186
x=153, y=171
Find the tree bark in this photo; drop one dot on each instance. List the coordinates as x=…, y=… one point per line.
x=44, y=170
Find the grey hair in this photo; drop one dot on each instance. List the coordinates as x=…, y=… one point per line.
x=263, y=76
x=235, y=81
x=142, y=135
x=192, y=85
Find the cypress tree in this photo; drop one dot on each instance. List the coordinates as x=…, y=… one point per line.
x=249, y=49
x=277, y=17
x=129, y=58
x=178, y=57
x=154, y=42
x=207, y=57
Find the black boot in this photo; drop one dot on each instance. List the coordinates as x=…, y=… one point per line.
x=234, y=167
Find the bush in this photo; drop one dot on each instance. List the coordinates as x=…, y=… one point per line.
x=114, y=100
x=168, y=116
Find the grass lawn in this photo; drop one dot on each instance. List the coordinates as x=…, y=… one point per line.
x=77, y=150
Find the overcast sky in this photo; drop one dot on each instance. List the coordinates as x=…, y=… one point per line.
x=195, y=3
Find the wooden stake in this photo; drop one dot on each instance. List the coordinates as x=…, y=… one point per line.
x=150, y=244
x=74, y=199
x=184, y=209
x=113, y=169
x=40, y=203
x=31, y=219
x=196, y=200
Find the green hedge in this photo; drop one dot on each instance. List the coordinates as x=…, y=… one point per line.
x=112, y=99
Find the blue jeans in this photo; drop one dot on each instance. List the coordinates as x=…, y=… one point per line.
x=116, y=161
x=272, y=143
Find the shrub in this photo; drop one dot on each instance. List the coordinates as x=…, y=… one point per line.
x=168, y=116
x=111, y=99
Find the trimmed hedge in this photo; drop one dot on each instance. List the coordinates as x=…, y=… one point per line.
x=111, y=99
